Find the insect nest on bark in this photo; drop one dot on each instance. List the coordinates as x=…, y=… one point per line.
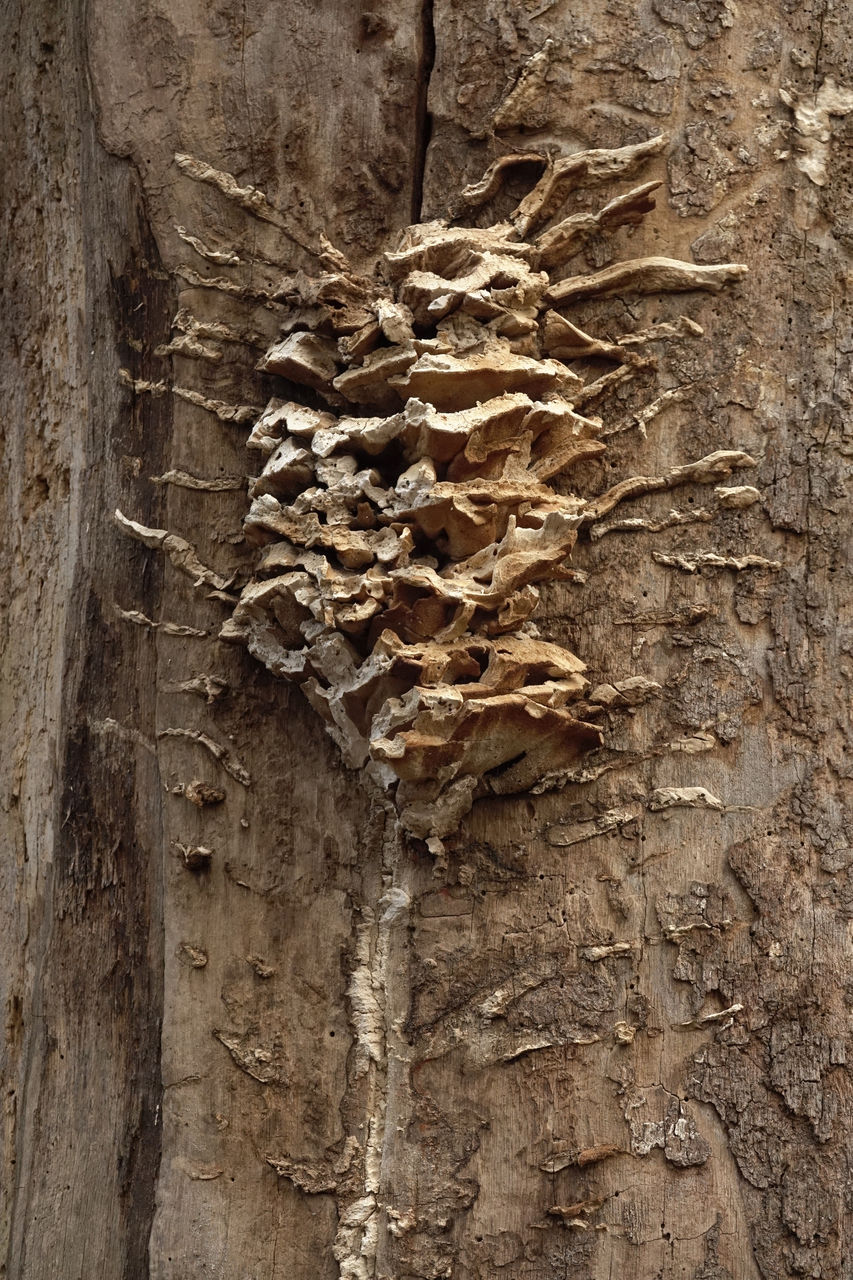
x=403, y=515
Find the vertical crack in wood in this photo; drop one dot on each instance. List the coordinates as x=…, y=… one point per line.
x=423, y=119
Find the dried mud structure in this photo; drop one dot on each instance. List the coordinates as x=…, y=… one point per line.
x=406, y=509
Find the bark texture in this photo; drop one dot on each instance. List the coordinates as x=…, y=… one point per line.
x=249, y=1030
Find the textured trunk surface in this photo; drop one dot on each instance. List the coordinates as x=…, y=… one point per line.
x=610, y=1038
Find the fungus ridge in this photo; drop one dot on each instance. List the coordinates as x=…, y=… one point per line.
x=402, y=516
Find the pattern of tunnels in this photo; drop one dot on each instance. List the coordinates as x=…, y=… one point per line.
x=403, y=515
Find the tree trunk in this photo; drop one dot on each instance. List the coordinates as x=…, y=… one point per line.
x=269, y=1033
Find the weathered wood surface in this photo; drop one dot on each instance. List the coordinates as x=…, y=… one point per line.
x=611, y=1038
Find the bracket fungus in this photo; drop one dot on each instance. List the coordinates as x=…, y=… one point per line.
x=403, y=518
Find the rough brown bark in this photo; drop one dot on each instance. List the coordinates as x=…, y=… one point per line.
x=611, y=1038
